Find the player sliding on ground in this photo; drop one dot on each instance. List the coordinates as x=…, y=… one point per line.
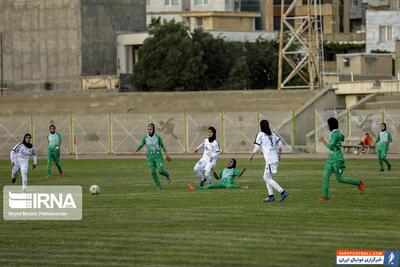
x=226, y=178
x=208, y=161
x=19, y=156
x=269, y=142
x=54, y=140
x=155, y=146
x=384, y=138
x=335, y=161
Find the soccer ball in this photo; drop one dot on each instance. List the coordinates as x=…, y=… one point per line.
x=94, y=189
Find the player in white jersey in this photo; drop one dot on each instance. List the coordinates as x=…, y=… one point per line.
x=269, y=142
x=19, y=156
x=208, y=161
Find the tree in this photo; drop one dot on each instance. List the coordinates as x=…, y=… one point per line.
x=262, y=59
x=173, y=58
x=169, y=59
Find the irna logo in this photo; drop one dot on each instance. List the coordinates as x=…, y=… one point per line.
x=41, y=200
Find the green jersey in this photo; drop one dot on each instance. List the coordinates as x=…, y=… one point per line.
x=228, y=175
x=154, y=145
x=54, y=140
x=384, y=136
x=334, y=145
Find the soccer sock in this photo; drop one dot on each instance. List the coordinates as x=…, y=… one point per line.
x=269, y=188
x=269, y=181
x=48, y=167
x=199, y=174
x=58, y=166
x=163, y=173
x=14, y=173
x=380, y=163
x=155, y=177
x=386, y=161
x=208, y=176
x=24, y=175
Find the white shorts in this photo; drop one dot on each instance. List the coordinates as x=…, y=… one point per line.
x=272, y=167
x=205, y=165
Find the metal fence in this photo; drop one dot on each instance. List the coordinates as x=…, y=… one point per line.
x=354, y=124
x=182, y=132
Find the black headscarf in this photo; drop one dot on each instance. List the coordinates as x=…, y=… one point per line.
x=333, y=124
x=384, y=125
x=264, y=125
x=212, y=138
x=154, y=129
x=28, y=145
x=233, y=165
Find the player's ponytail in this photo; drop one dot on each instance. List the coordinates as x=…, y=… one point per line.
x=264, y=126
x=214, y=136
x=333, y=124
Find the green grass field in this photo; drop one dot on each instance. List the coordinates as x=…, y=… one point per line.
x=131, y=224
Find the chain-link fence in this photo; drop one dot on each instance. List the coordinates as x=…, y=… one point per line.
x=183, y=132
x=354, y=125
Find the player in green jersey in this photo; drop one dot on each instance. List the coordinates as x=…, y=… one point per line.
x=226, y=178
x=155, y=147
x=335, y=161
x=54, y=140
x=384, y=138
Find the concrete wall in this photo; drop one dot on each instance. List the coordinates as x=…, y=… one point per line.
x=382, y=18
x=324, y=100
x=87, y=102
x=364, y=64
x=229, y=23
x=41, y=43
x=57, y=41
x=101, y=19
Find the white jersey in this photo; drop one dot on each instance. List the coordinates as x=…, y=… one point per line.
x=211, y=150
x=269, y=145
x=20, y=154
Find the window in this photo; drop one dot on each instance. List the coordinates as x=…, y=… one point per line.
x=148, y=2
x=199, y=22
x=346, y=62
x=354, y=3
x=171, y=2
x=385, y=34
x=200, y=2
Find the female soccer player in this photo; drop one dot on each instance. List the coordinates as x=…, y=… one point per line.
x=384, y=138
x=19, y=156
x=269, y=142
x=54, y=140
x=335, y=161
x=155, y=146
x=209, y=159
x=227, y=178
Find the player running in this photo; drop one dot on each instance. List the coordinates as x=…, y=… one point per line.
x=155, y=146
x=226, y=178
x=384, y=138
x=269, y=142
x=54, y=140
x=204, y=167
x=19, y=156
x=335, y=161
